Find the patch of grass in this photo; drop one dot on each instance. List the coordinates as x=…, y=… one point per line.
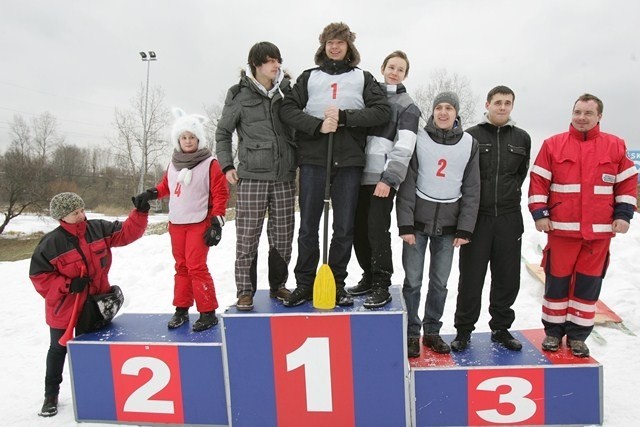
x=20, y=248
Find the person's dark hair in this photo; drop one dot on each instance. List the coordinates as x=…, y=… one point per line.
x=397, y=54
x=260, y=53
x=585, y=97
x=500, y=89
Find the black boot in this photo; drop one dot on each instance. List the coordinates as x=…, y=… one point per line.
x=206, y=321
x=179, y=318
x=378, y=298
x=49, y=407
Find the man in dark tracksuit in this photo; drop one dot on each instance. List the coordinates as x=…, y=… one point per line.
x=504, y=160
x=339, y=98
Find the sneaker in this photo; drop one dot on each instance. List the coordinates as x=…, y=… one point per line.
x=245, y=303
x=363, y=287
x=578, y=348
x=179, y=318
x=461, y=341
x=343, y=298
x=280, y=294
x=206, y=321
x=413, y=347
x=300, y=295
x=436, y=343
x=551, y=343
x=49, y=407
x=505, y=339
x=378, y=298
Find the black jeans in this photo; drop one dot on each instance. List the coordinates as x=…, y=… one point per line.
x=497, y=240
x=345, y=183
x=372, y=240
x=55, y=363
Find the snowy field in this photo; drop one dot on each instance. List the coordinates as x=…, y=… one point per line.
x=144, y=270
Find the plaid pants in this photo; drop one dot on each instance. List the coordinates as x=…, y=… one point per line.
x=255, y=198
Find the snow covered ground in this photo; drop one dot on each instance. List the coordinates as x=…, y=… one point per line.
x=144, y=270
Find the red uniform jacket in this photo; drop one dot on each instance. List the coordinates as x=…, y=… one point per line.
x=583, y=181
x=56, y=261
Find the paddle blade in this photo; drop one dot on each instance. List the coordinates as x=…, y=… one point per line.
x=324, y=289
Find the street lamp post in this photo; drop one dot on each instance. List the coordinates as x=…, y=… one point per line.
x=145, y=131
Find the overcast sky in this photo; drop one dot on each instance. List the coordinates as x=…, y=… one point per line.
x=79, y=59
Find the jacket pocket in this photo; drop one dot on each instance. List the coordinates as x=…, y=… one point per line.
x=253, y=110
x=259, y=156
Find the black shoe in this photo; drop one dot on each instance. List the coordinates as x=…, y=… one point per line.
x=49, y=407
x=206, y=321
x=551, y=343
x=300, y=295
x=436, y=343
x=413, y=347
x=363, y=287
x=504, y=338
x=179, y=318
x=578, y=348
x=343, y=298
x=378, y=298
x=461, y=341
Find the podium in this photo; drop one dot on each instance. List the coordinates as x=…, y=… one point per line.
x=488, y=385
x=301, y=366
x=137, y=371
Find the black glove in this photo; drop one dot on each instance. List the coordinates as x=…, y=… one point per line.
x=214, y=233
x=78, y=284
x=141, y=201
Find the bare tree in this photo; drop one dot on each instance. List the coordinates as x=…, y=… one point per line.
x=139, y=140
x=46, y=136
x=20, y=134
x=69, y=162
x=214, y=113
x=440, y=81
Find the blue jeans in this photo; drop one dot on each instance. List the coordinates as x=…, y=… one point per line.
x=345, y=184
x=441, y=249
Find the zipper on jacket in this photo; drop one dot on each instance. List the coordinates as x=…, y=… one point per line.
x=60, y=304
x=434, y=231
x=495, y=195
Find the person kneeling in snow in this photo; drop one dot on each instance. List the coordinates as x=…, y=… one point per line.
x=71, y=258
x=198, y=194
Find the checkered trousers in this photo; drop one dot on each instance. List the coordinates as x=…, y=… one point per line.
x=255, y=198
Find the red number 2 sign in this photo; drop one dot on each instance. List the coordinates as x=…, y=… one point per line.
x=443, y=165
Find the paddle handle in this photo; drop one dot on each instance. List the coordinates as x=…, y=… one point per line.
x=327, y=198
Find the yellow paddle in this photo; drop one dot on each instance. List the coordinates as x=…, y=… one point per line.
x=324, y=285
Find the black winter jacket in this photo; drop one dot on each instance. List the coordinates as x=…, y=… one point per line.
x=350, y=138
x=504, y=160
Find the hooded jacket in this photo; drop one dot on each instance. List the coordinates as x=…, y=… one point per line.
x=390, y=147
x=56, y=261
x=436, y=219
x=504, y=159
x=266, y=150
x=351, y=136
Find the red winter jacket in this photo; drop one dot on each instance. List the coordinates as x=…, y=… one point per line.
x=583, y=181
x=56, y=261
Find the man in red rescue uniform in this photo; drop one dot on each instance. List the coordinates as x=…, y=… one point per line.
x=582, y=192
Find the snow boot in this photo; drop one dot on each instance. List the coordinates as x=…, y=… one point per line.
x=551, y=343
x=505, y=339
x=578, y=348
x=245, y=303
x=378, y=298
x=436, y=343
x=49, y=407
x=343, y=298
x=206, y=321
x=179, y=318
x=461, y=341
x=413, y=347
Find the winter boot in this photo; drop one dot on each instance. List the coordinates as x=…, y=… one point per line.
x=378, y=298
x=578, y=348
x=245, y=303
x=179, y=318
x=343, y=298
x=551, y=343
x=280, y=294
x=436, y=343
x=461, y=341
x=300, y=295
x=363, y=287
x=49, y=407
x=413, y=347
x=206, y=321
x=504, y=338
